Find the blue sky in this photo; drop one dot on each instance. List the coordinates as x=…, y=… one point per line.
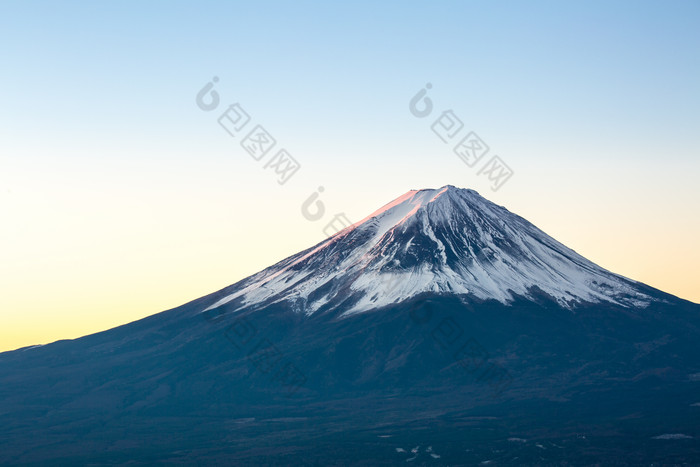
x=108, y=165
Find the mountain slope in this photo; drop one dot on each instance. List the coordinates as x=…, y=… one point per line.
x=498, y=344
x=449, y=241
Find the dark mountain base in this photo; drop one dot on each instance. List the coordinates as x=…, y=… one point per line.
x=475, y=382
x=558, y=435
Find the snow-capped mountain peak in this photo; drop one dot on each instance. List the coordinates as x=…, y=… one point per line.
x=446, y=241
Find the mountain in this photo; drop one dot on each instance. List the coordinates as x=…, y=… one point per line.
x=440, y=330
x=447, y=241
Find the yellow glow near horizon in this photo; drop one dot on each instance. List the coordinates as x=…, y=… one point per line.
x=120, y=197
x=84, y=259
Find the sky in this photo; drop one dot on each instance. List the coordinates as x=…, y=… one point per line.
x=121, y=196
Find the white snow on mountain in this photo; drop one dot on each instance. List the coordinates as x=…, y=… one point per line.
x=448, y=240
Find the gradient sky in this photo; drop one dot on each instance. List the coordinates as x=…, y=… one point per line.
x=120, y=198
